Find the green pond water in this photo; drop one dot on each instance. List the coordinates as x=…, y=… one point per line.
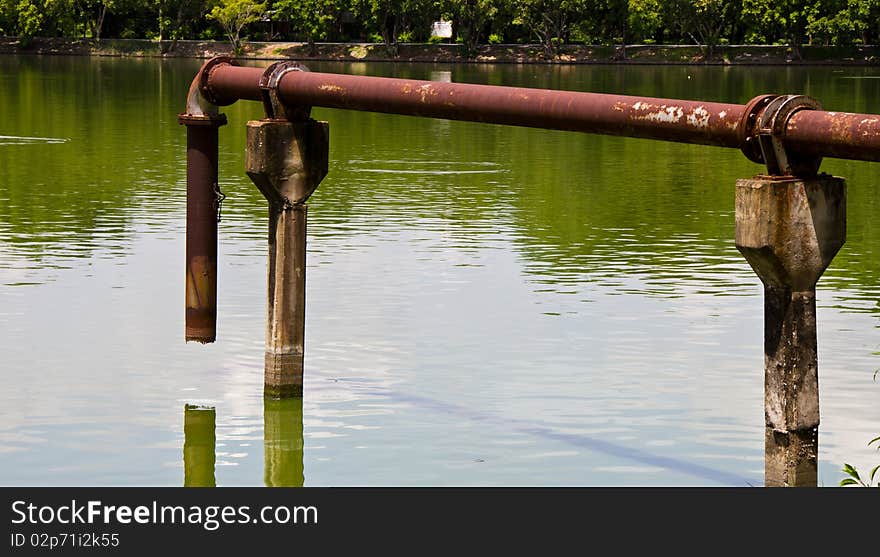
x=486, y=305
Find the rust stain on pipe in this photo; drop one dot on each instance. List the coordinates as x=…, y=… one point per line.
x=843, y=135
x=700, y=122
x=201, y=228
x=809, y=132
x=537, y=108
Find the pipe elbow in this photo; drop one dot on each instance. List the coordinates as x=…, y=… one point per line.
x=199, y=108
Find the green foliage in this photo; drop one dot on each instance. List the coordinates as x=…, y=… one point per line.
x=855, y=479
x=608, y=22
x=776, y=20
x=495, y=38
x=704, y=21
x=310, y=18
x=177, y=19
x=842, y=22
x=646, y=19
x=391, y=18
x=548, y=22
x=473, y=18
x=234, y=16
x=31, y=18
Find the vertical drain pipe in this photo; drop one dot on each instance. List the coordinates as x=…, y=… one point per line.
x=203, y=198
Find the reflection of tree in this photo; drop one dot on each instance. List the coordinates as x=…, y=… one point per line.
x=573, y=204
x=123, y=149
x=582, y=204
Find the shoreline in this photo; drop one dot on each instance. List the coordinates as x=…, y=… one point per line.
x=454, y=53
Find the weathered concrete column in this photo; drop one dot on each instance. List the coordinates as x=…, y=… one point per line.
x=791, y=458
x=199, y=441
x=789, y=230
x=287, y=161
x=283, y=442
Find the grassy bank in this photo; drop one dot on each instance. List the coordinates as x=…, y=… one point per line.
x=521, y=54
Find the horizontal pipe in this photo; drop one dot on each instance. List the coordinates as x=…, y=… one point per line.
x=811, y=132
x=673, y=120
x=842, y=135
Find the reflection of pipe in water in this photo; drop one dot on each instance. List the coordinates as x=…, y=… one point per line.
x=283, y=441
x=198, y=446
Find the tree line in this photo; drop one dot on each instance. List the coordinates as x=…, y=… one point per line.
x=551, y=23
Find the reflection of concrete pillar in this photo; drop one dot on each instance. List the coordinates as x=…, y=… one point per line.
x=198, y=446
x=283, y=442
x=789, y=230
x=287, y=161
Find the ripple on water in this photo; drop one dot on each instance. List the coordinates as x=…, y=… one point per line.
x=22, y=140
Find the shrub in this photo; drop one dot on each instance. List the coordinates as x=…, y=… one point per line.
x=854, y=477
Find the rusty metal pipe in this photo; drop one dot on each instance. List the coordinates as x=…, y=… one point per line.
x=203, y=196
x=201, y=232
x=809, y=132
x=673, y=120
x=842, y=135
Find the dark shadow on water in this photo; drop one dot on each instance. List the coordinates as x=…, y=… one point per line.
x=790, y=459
x=578, y=440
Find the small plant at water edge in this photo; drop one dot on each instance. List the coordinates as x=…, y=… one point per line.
x=854, y=479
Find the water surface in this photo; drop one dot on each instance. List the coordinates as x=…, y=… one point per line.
x=487, y=305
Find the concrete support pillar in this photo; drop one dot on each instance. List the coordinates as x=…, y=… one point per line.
x=791, y=458
x=286, y=160
x=283, y=442
x=789, y=230
x=199, y=446
x=286, y=306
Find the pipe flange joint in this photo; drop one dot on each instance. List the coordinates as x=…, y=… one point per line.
x=745, y=129
x=205, y=76
x=762, y=131
x=272, y=104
